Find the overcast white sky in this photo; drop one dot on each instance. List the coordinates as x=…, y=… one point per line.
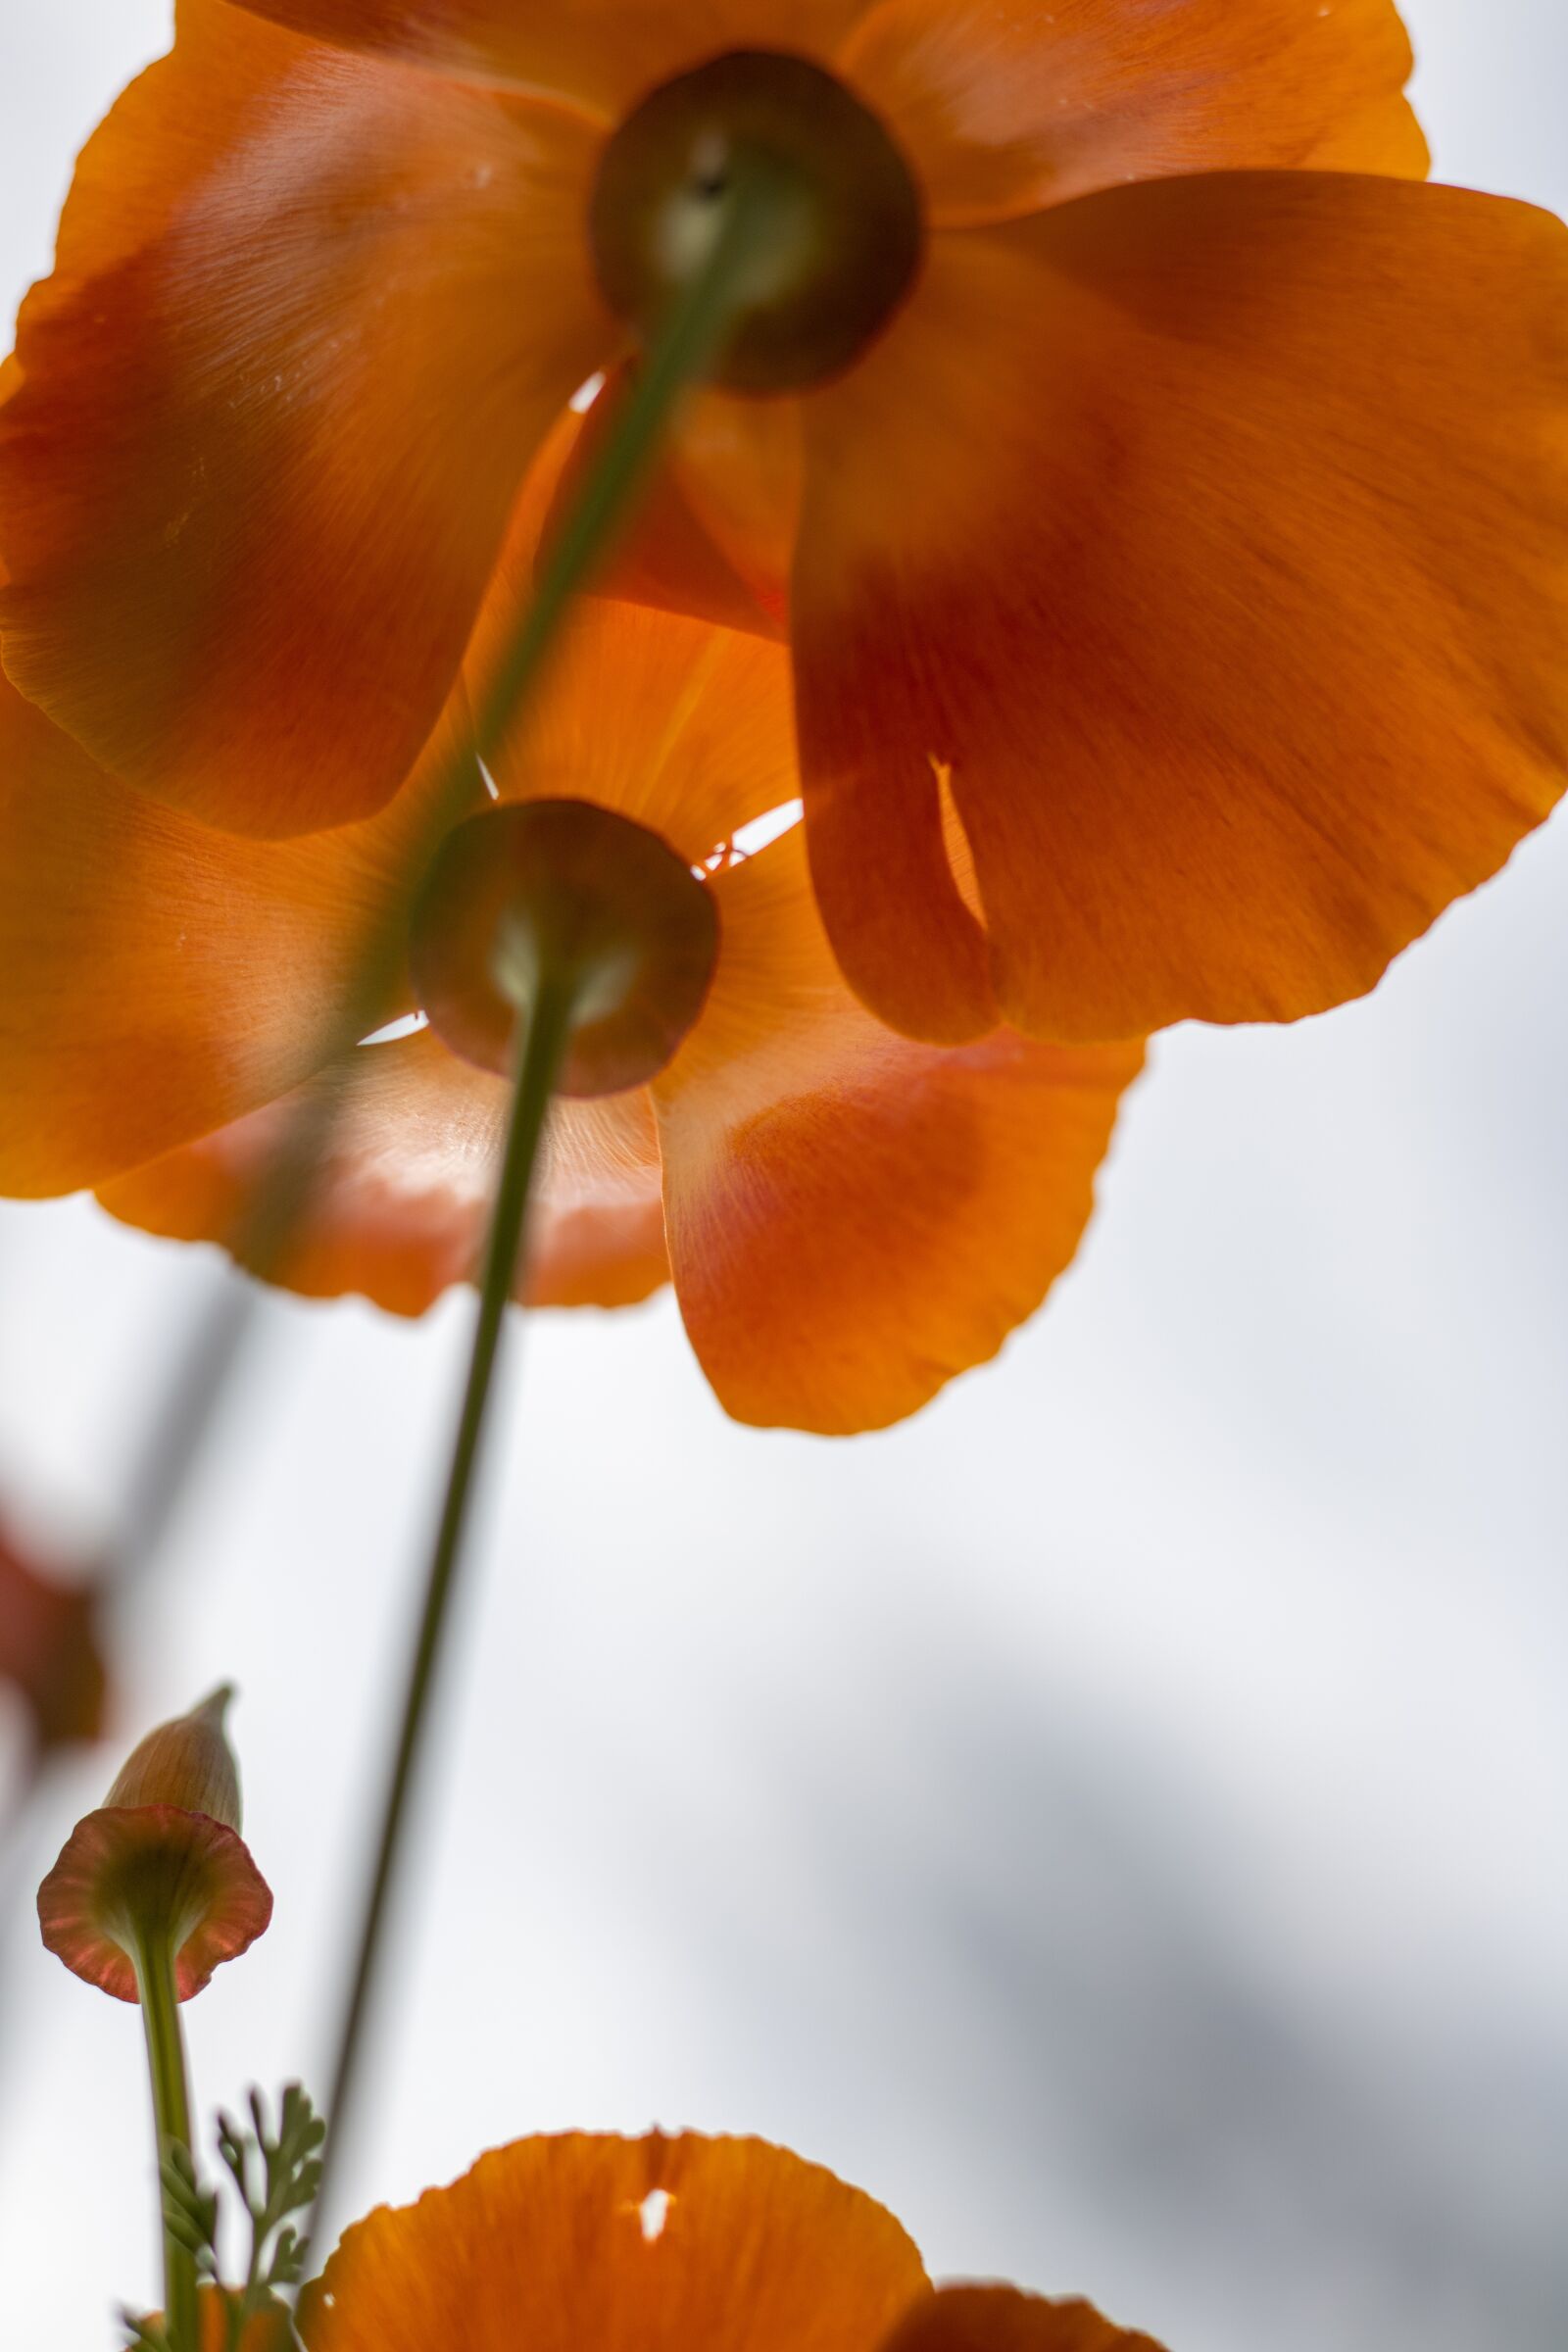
x=1117, y=1818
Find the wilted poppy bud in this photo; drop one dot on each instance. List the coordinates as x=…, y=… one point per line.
x=161, y=1863
x=573, y=895
x=49, y=1651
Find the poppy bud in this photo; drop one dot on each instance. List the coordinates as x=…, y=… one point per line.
x=567, y=894
x=841, y=231
x=160, y=1863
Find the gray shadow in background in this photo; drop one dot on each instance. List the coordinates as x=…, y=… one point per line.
x=1140, y=2105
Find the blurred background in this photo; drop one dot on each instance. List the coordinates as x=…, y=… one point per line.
x=1117, y=1818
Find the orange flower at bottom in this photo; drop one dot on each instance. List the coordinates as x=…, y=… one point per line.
x=593, y=2244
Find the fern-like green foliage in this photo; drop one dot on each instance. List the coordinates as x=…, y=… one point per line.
x=273, y=2176
x=144, y=2335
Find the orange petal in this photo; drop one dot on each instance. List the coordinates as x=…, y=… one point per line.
x=267, y=2330
x=567, y=2245
x=1004, y=110
x=600, y=53
x=401, y=1207
x=161, y=978
x=854, y=1220
x=1221, y=560
x=309, y=318
x=739, y=465
x=595, y=1236
x=999, y=2319
x=685, y=728
x=669, y=556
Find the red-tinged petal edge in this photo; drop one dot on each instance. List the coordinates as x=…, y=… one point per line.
x=189, y=1867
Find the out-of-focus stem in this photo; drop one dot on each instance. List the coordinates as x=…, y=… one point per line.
x=692, y=332
x=545, y=1035
x=166, y=2065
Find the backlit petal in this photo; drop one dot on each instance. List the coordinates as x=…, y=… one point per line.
x=161, y=978
x=266, y=2330
x=1006, y=109
x=687, y=729
x=854, y=1218
x=600, y=53
x=739, y=463
x=673, y=551
x=400, y=1209
x=311, y=317
x=578, y=2244
x=1221, y=561
x=999, y=2319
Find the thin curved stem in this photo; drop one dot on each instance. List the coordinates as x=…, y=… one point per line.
x=695, y=326
x=545, y=1035
x=201, y=1380
x=154, y=1962
x=691, y=335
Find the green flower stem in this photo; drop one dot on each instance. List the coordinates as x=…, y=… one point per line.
x=692, y=332
x=545, y=1035
x=154, y=1960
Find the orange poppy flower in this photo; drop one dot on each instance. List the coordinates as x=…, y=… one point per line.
x=850, y=1218
x=49, y=1649
x=581, y=2243
x=1200, y=519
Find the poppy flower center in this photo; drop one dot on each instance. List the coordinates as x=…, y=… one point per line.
x=567, y=896
x=841, y=231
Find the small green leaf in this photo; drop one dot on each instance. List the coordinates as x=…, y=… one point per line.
x=143, y=2336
